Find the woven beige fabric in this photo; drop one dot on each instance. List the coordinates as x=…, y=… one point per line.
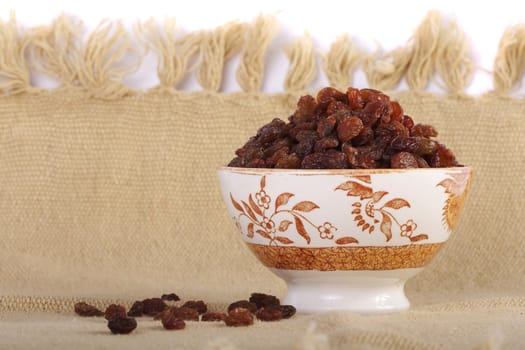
x=105, y=200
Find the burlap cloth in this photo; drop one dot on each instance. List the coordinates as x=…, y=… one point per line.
x=115, y=199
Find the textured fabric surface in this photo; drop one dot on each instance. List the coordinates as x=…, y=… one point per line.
x=119, y=199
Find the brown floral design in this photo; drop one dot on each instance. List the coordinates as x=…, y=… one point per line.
x=263, y=223
x=456, y=186
x=369, y=212
x=346, y=258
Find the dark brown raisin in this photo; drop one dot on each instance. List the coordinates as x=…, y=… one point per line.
x=122, y=325
x=423, y=130
x=198, y=305
x=245, y=304
x=443, y=158
x=305, y=109
x=403, y=160
x=239, y=317
x=136, y=309
x=326, y=143
x=151, y=307
x=348, y=128
x=257, y=163
x=304, y=148
x=183, y=313
x=364, y=137
x=237, y=162
x=426, y=146
x=271, y=131
x=264, y=300
x=213, y=316
x=85, y=310
x=276, y=156
x=290, y=161
x=115, y=310
x=271, y=313
x=421, y=162
x=169, y=321
x=325, y=126
x=170, y=297
x=287, y=310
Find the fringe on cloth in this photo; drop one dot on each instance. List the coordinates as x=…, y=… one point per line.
x=438, y=51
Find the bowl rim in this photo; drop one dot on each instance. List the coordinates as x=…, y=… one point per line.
x=347, y=172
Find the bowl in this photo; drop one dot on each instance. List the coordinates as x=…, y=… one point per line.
x=345, y=239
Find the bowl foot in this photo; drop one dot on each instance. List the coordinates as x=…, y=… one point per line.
x=357, y=291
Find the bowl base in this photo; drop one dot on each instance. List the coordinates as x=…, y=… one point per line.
x=357, y=291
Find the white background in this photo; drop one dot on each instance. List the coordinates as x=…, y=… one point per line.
x=389, y=23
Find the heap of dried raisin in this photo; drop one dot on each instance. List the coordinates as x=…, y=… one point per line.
x=359, y=129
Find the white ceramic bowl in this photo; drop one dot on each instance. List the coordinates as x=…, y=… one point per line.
x=345, y=239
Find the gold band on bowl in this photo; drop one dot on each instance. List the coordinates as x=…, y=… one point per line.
x=346, y=258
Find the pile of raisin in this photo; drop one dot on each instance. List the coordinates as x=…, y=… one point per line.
x=264, y=307
x=359, y=129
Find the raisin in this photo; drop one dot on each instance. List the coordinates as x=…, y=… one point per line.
x=290, y=161
x=355, y=101
x=239, y=317
x=373, y=112
x=327, y=95
x=245, y=304
x=336, y=107
x=183, y=313
x=425, y=146
x=421, y=162
x=257, y=163
x=371, y=95
x=213, y=316
x=408, y=122
x=423, y=130
x=85, y=310
x=198, y=305
x=237, y=162
x=122, y=325
x=271, y=131
x=276, y=156
x=136, y=309
x=304, y=148
x=443, y=158
x=151, y=307
x=325, y=126
x=114, y=310
x=365, y=136
x=287, y=310
x=271, y=313
x=264, y=300
x=397, y=111
x=326, y=143
x=348, y=128
x=305, y=109
x=403, y=160
x=170, y=297
x=171, y=322
x=306, y=135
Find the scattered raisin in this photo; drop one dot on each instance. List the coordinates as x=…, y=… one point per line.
x=171, y=321
x=85, y=310
x=122, y=325
x=136, y=309
x=185, y=313
x=170, y=297
x=151, y=307
x=198, y=305
x=264, y=300
x=271, y=313
x=213, y=316
x=287, y=310
x=114, y=310
x=245, y=304
x=239, y=317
